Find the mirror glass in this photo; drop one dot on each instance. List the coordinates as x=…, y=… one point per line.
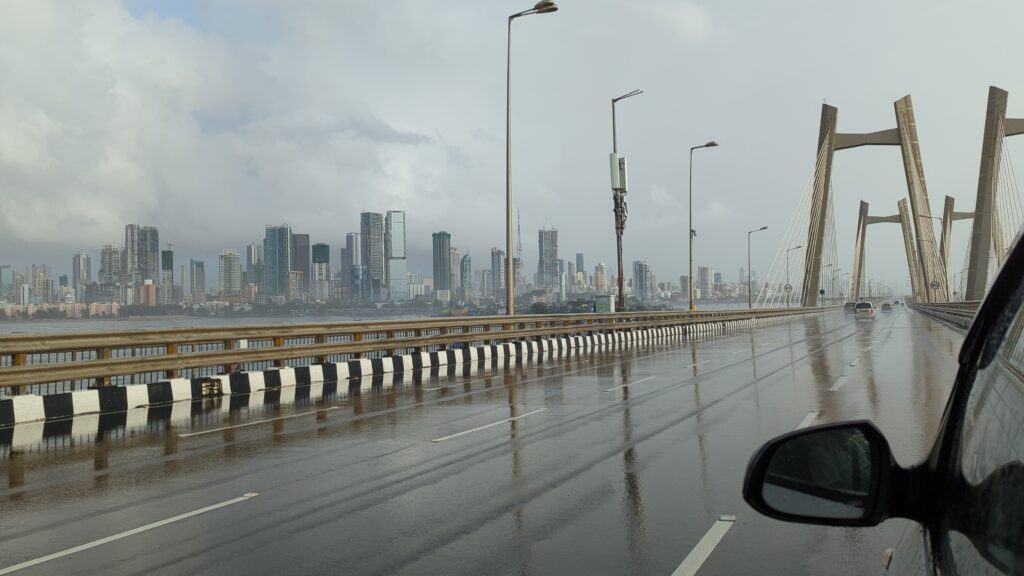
x=821, y=474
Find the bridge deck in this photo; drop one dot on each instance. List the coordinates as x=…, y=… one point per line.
x=616, y=461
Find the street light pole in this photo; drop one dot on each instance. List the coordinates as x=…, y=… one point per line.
x=710, y=144
x=619, y=202
x=542, y=7
x=789, y=287
x=750, y=283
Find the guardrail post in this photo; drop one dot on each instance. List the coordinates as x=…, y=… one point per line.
x=18, y=359
x=321, y=339
x=173, y=372
x=358, y=337
x=390, y=336
x=444, y=332
x=418, y=333
x=103, y=354
x=232, y=367
x=279, y=343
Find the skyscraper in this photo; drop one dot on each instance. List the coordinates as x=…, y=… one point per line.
x=141, y=254
x=394, y=248
x=372, y=239
x=354, y=266
x=705, y=281
x=6, y=282
x=466, y=276
x=197, y=280
x=547, y=263
x=442, y=260
x=300, y=259
x=81, y=269
x=321, y=272
x=455, y=282
x=498, y=273
x=110, y=265
x=600, y=279
x=254, y=264
x=230, y=274
x=277, y=260
x=643, y=281
x=579, y=262
x=166, y=294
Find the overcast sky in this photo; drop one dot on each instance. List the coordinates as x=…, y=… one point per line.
x=212, y=119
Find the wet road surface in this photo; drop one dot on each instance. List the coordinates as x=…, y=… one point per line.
x=617, y=461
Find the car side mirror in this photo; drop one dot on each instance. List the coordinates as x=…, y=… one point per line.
x=834, y=474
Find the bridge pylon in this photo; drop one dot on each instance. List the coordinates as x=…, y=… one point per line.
x=986, y=233
x=863, y=220
x=932, y=274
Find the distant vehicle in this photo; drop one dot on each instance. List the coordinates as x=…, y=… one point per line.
x=964, y=498
x=864, y=310
x=849, y=307
x=886, y=307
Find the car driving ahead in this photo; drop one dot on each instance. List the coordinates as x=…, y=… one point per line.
x=864, y=311
x=966, y=498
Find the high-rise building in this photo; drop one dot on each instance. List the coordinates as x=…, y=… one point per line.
x=372, y=239
x=81, y=269
x=230, y=274
x=498, y=289
x=486, y=284
x=705, y=281
x=295, y=290
x=547, y=263
x=197, y=280
x=643, y=281
x=6, y=283
x=442, y=261
x=254, y=264
x=394, y=249
x=570, y=276
x=466, y=276
x=277, y=260
x=166, y=293
x=601, y=279
x=579, y=262
x=301, y=259
x=743, y=275
x=518, y=276
x=321, y=272
x=353, y=267
x=111, y=270
x=455, y=283
x=718, y=279
x=141, y=254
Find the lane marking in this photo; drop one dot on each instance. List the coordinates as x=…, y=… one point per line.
x=808, y=419
x=855, y=361
x=839, y=383
x=485, y=426
x=700, y=553
x=127, y=533
x=258, y=422
x=698, y=363
x=633, y=382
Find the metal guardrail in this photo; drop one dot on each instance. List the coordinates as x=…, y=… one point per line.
x=959, y=314
x=38, y=359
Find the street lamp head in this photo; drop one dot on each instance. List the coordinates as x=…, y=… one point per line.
x=627, y=95
x=762, y=228
x=711, y=144
x=545, y=6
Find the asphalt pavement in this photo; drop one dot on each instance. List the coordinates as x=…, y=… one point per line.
x=626, y=460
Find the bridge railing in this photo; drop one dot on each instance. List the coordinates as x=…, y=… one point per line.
x=102, y=358
x=959, y=314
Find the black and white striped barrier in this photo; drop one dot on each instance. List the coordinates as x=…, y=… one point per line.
x=116, y=399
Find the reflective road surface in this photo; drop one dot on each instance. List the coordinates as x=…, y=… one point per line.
x=617, y=461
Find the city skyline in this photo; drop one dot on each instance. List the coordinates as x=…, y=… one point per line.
x=351, y=138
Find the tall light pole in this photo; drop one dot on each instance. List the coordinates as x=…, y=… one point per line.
x=710, y=144
x=542, y=7
x=842, y=290
x=618, y=166
x=750, y=283
x=821, y=300
x=789, y=287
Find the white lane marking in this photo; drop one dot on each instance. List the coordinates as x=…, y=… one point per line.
x=700, y=553
x=633, y=382
x=855, y=361
x=258, y=422
x=485, y=426
x=808, y=419
x=735, y=353
x=839, y=383
x=698, y=363
x=435, y=389
x=126, y=534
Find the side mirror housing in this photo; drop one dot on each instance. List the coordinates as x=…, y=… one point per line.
x=833, y=474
